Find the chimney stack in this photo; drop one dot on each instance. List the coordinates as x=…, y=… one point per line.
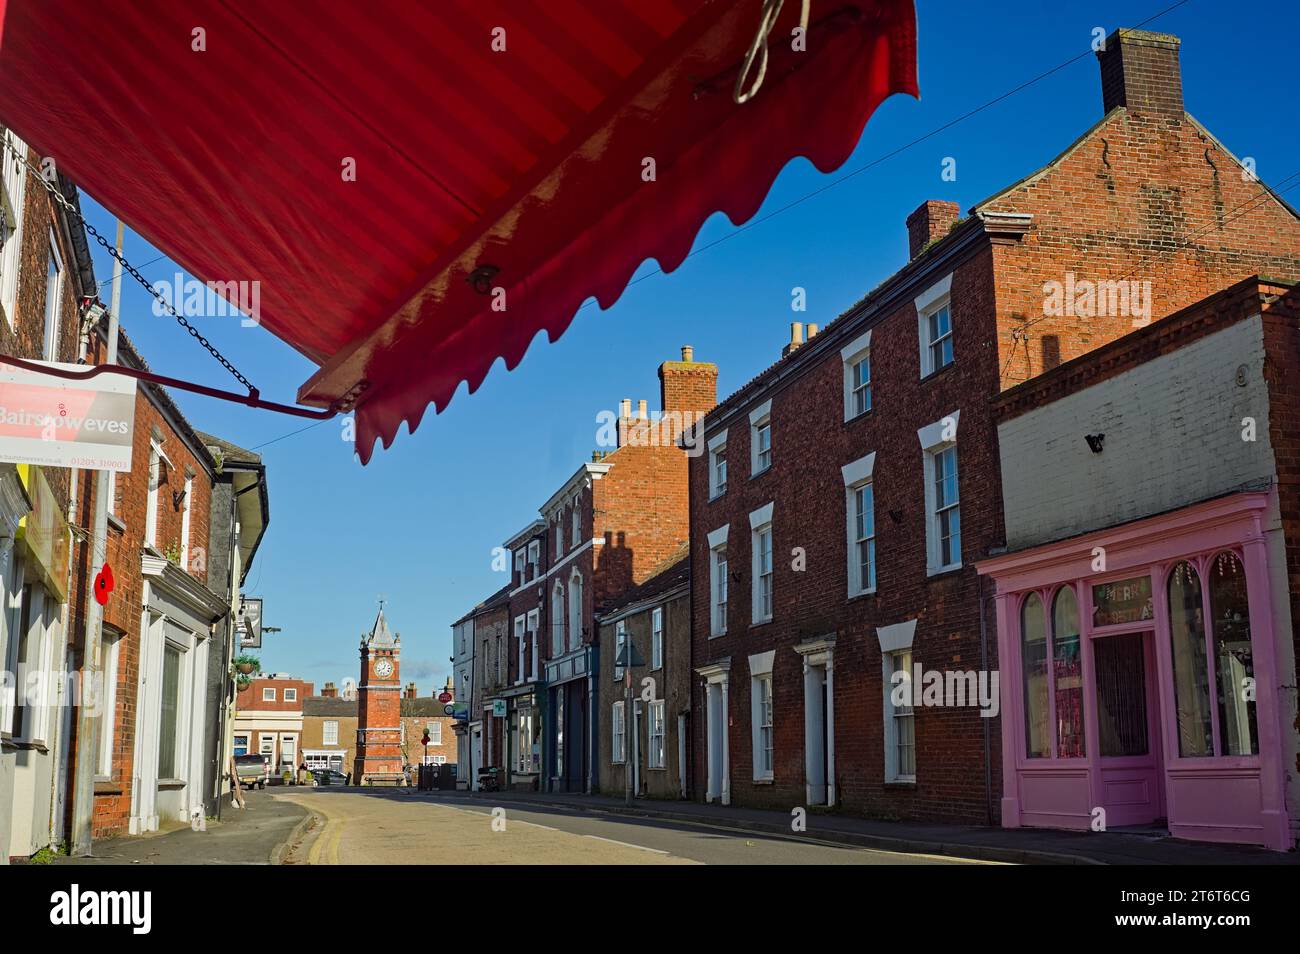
x=450, y=688
x=410, y=691
x=688, y=386
x=329, y=691
x=931, y=221
x=796, y=337
x=1139, y=70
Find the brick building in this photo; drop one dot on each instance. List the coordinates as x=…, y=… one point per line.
x=329, y=731
x=269, y=720
x=651, y=741
x=45, y=270
x=480, y=733
x=604, y=531
x=1145, y=626
x=847, y=489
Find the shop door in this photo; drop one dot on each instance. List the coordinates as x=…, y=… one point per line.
x=575, y=748
x=1130, y=764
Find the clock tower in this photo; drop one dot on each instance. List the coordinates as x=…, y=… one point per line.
x=379, y=706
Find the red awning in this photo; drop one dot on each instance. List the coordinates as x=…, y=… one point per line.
x=522, y=168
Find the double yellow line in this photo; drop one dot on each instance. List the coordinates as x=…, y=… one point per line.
x=327, y=842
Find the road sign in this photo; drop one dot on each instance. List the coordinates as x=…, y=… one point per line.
x=448, y=709
x=444, y=696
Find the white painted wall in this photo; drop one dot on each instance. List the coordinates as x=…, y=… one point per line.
x=1172, y=432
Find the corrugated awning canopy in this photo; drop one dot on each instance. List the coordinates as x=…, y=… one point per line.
x=525, y=167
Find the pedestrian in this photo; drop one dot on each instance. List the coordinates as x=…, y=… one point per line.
x=302, y=772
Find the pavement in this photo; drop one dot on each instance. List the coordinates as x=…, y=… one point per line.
x=1015, y=846
x=256, y=835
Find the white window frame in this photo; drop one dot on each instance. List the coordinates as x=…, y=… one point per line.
x=575, y=518
x=54, y=318
x=620, y=640
x=534, y=558
x=762, y=720
x=534, y=627
x=247, y=743
x=618, y=734
x=15, y=187
x=575, y=609
x=851, y=355
x=656, y=638
x=717, y=461
x=435, y=733
x=521, y=633
x=268, y=694
x=112, y=647
x=760, y=525
x=936, y=439
x=558, y=637
x=759, y=419
x=185, y=523
x=521, y=562
x=151, y=500
x=330, y=732
x=858, y=476
x=656, y=732
x=718, y=583
x=262, y=739
x=894, y=641
x=931, y=301
x=290, y=695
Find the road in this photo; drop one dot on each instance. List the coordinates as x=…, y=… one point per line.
x=398, y=826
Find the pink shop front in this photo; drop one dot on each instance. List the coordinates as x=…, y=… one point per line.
x=1120, y=705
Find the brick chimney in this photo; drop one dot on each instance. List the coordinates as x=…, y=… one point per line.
x=450, y=688
x=688, y=385
x=329, y=691
x=1139, y=70
x=932, y=220
x=409, y=693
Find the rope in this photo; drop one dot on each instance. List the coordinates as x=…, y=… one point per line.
x=758, y=49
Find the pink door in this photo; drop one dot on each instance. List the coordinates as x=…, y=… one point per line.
x=1125, y=698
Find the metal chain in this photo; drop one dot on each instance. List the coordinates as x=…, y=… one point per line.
x=68, y=207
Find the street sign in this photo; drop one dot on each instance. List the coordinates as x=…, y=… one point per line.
x=63, y=423
x=444, y=696
x=449, y=709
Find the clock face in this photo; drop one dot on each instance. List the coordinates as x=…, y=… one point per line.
x=383, y=669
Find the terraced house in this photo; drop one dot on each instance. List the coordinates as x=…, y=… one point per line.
x=848, y=489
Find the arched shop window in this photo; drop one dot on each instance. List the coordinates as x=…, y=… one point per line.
x=1067, y=674
x=1233, y=662
x=1033, y=648
x=1191, y=676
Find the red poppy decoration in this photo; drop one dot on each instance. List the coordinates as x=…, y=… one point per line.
x=103, y=585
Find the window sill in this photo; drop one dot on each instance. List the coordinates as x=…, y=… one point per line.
x=935, y=573
x=107, y=787
x=27, y=745
x=931, y=375
x=853, y=597
x=858, y=417
x=760, y=622
x=717, y=635
x=718, y=496
x=901, y=783
x=169, y=784
x=765, y=781
x=116, y=523
x=759, y=473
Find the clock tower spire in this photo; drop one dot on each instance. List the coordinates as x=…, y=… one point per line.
x=379, y=706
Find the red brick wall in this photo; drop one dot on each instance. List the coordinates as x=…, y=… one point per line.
x=1146, y=197
x=250, y=698
x=124, y=549
x=810, y=443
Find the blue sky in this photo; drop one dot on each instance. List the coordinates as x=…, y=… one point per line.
x=418, y=524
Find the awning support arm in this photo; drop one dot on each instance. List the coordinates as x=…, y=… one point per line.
x=249, y=400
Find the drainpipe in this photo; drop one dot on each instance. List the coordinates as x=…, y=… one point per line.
x=984, y=666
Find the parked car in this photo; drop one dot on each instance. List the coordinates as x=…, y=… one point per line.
x=328, y=776
x=254, y=770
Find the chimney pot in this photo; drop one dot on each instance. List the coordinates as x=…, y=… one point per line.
x=625, y=408
x=688, y=353
x=641, y=410
x=796, y=337
x=1140, y=71
x=812, y=332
